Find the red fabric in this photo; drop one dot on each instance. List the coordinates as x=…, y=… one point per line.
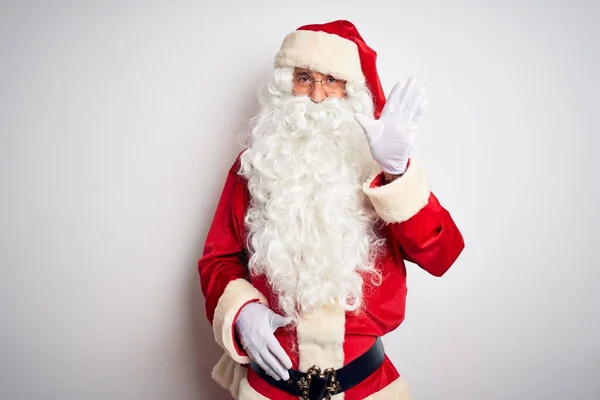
x=430, y=239
x=221, y=261
x=368, y=56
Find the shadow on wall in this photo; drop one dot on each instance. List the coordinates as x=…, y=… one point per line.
x=205, y=350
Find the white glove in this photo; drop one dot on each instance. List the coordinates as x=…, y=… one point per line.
x=391, y=137
x=255, y=326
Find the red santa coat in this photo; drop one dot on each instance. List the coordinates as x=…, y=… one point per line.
x=417, y=228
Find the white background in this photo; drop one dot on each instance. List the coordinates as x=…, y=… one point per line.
x=119, y=120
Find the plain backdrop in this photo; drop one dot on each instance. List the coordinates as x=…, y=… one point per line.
x=119, y=121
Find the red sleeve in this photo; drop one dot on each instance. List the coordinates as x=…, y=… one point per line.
x=222, y=259
x=421, y=228
x=223, y=269
x=430, y=238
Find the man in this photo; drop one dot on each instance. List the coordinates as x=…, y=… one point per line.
x=304, y=265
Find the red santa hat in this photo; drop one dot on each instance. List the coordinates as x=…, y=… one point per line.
x=337, y=49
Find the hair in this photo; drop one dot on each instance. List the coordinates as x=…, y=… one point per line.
x=310, y=226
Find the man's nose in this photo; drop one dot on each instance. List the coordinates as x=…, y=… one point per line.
x=317, y=94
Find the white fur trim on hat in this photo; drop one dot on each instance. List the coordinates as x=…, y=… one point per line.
x=321, y=52
x=403, y=198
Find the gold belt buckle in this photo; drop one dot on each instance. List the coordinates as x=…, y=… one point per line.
x=332, y=386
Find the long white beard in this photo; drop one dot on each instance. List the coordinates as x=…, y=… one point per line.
x=309, y=222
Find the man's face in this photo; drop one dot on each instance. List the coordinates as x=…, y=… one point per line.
x=317, y=86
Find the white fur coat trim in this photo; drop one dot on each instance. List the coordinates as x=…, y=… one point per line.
x=403, y=198
x=321, y=340
x=237, y=293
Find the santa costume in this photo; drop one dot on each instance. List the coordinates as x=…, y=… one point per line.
x=309, y=226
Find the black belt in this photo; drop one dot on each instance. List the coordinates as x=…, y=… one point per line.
x=317, y=385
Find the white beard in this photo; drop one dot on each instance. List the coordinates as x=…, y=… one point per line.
x=309, y=222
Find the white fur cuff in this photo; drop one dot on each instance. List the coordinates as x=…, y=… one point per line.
x=229, y=374
x=400, y=200
x=237, y=293
x=322, y=52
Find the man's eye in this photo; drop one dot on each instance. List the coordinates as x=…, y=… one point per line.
x=303, y=78
x=331, y=79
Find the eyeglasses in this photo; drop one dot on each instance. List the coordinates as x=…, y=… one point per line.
x=305, y=83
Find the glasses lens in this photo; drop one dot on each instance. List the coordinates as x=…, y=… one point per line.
x=303, y=80
x=333, y=84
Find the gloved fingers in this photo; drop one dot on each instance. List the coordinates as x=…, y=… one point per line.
x=405, y=95
x=275, y=365
x=414, y=103
x=393, y=99
x=278, y=321
x=277, y=350
x=420, y=112
x=371, y=127
x=265, y=366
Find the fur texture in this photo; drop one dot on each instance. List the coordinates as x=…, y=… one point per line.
x=229, y=374
x=403, y=198
x=323, y=52
x=237, y=293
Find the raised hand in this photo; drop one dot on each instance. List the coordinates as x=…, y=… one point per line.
x=392, y=136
